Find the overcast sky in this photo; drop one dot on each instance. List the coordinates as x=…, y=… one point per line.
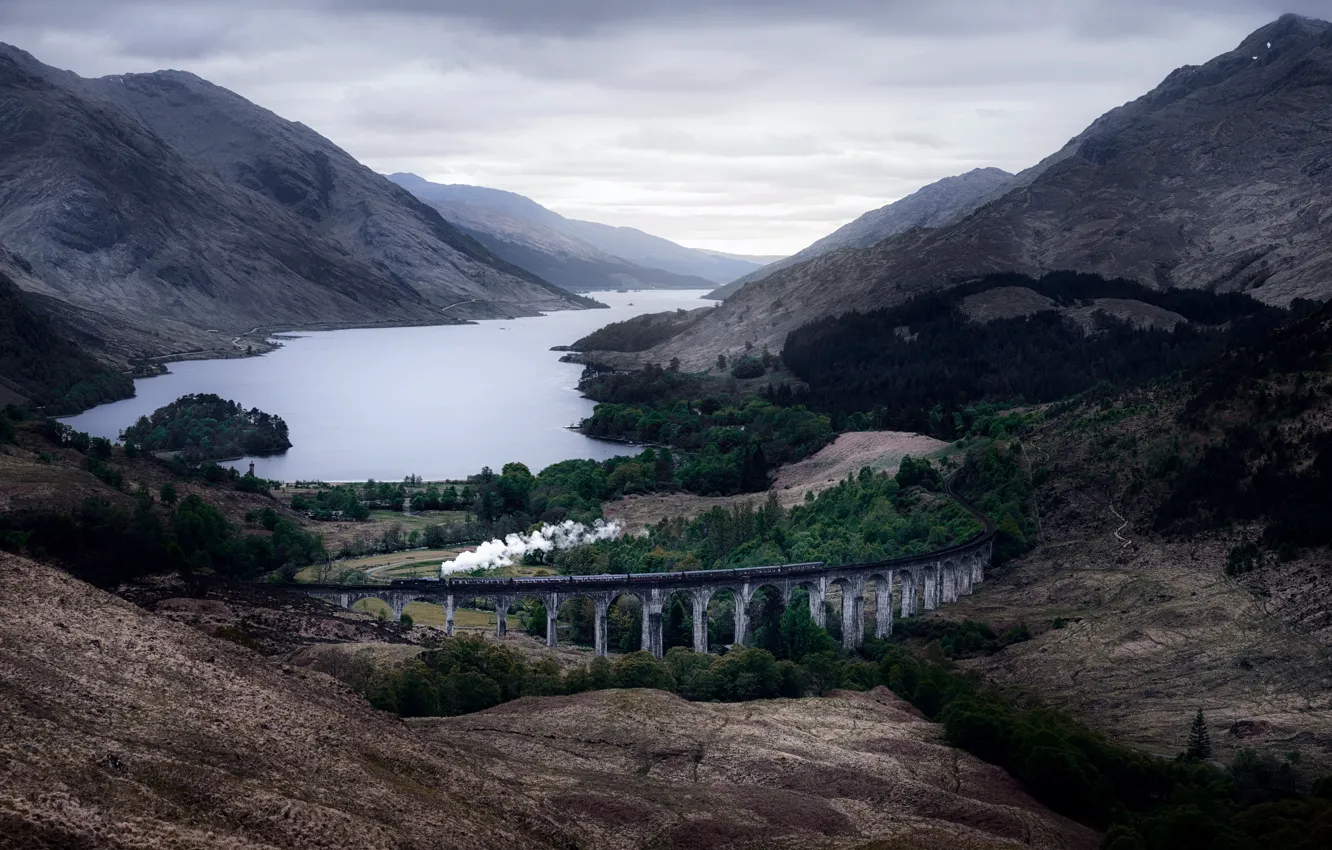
x=753, y=126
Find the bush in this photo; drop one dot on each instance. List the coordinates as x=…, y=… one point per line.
x=252, y=484
x=748, y=367
x=745, y=674
x=642, y=670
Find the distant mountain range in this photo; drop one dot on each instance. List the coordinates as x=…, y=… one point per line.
x=935, y=205
x=1218, y=179
x=151, y=213
x=577, y=255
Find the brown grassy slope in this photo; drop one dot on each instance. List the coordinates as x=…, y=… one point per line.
x=119, y=728
x=1157, y=629
x=39, y=476
x=645, y=769
x=122, y=729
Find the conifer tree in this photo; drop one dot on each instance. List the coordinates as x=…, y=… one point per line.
x=1200, y=742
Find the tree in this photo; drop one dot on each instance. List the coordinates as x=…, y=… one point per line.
x=514, y=485
x=1200, y=742
x=744, y=674
x=599, y=673
x=799, y=634
x=665, y=466
x=543, y=679
x=418, y=696
x=168, y=494
x=536, y=620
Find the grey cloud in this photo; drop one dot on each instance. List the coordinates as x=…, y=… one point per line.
x=581, y=17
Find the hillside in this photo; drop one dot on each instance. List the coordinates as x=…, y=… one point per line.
x=1184, y=556
x=126, y=729
x=40, y=366
x=935, y=205
x=149, y=203
x=1011, y=339
x=577, y=255
x=1217, y=179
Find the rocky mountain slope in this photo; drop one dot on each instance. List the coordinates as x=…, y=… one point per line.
x=163, y=197
x=578, y=255
x=935, y=205
x=1219, y=179
x=121, y=728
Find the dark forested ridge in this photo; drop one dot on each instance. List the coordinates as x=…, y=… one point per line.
x=38, y=363
x=206, y=426
x=639, y=333
x=1268, y=455
x=927, y=356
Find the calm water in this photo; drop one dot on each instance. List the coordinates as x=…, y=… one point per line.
x=383, y=403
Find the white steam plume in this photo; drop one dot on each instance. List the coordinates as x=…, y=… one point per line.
x=549, y=538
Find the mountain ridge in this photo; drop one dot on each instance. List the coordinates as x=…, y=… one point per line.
x=164, y=196
x=932, y=205
x=579, y=255
x=1215, y=179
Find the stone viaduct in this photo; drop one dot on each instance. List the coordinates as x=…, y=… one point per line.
x=916, y=583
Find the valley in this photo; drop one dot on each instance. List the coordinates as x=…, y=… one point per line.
x=995, y=517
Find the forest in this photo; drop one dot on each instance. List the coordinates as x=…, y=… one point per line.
x=650, y=385
x=870, y=516
x=731, y=447
x=1265, y=464
x=639, y=333
x=914, y=366
x=208, y=427
x=39, y=363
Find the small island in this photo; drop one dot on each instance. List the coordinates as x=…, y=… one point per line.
x=208, y=427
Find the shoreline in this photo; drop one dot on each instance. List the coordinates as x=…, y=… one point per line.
x=259, y=337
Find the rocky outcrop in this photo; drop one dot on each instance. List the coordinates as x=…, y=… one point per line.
x=163, y=197
x=577, y=255
x=1218, y=179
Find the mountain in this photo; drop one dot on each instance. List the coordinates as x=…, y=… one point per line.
x=1218, y=179
x=578, y=255
x=165, y=198
x=937, y=204
x=762, y=259
x=648, y=250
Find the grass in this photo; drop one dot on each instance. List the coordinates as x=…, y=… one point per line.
x=419, y=521
x=416, y=569
x=426, y=614
x=416, y=563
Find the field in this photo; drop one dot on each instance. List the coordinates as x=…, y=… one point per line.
x=425, y=614
x=337, y=533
